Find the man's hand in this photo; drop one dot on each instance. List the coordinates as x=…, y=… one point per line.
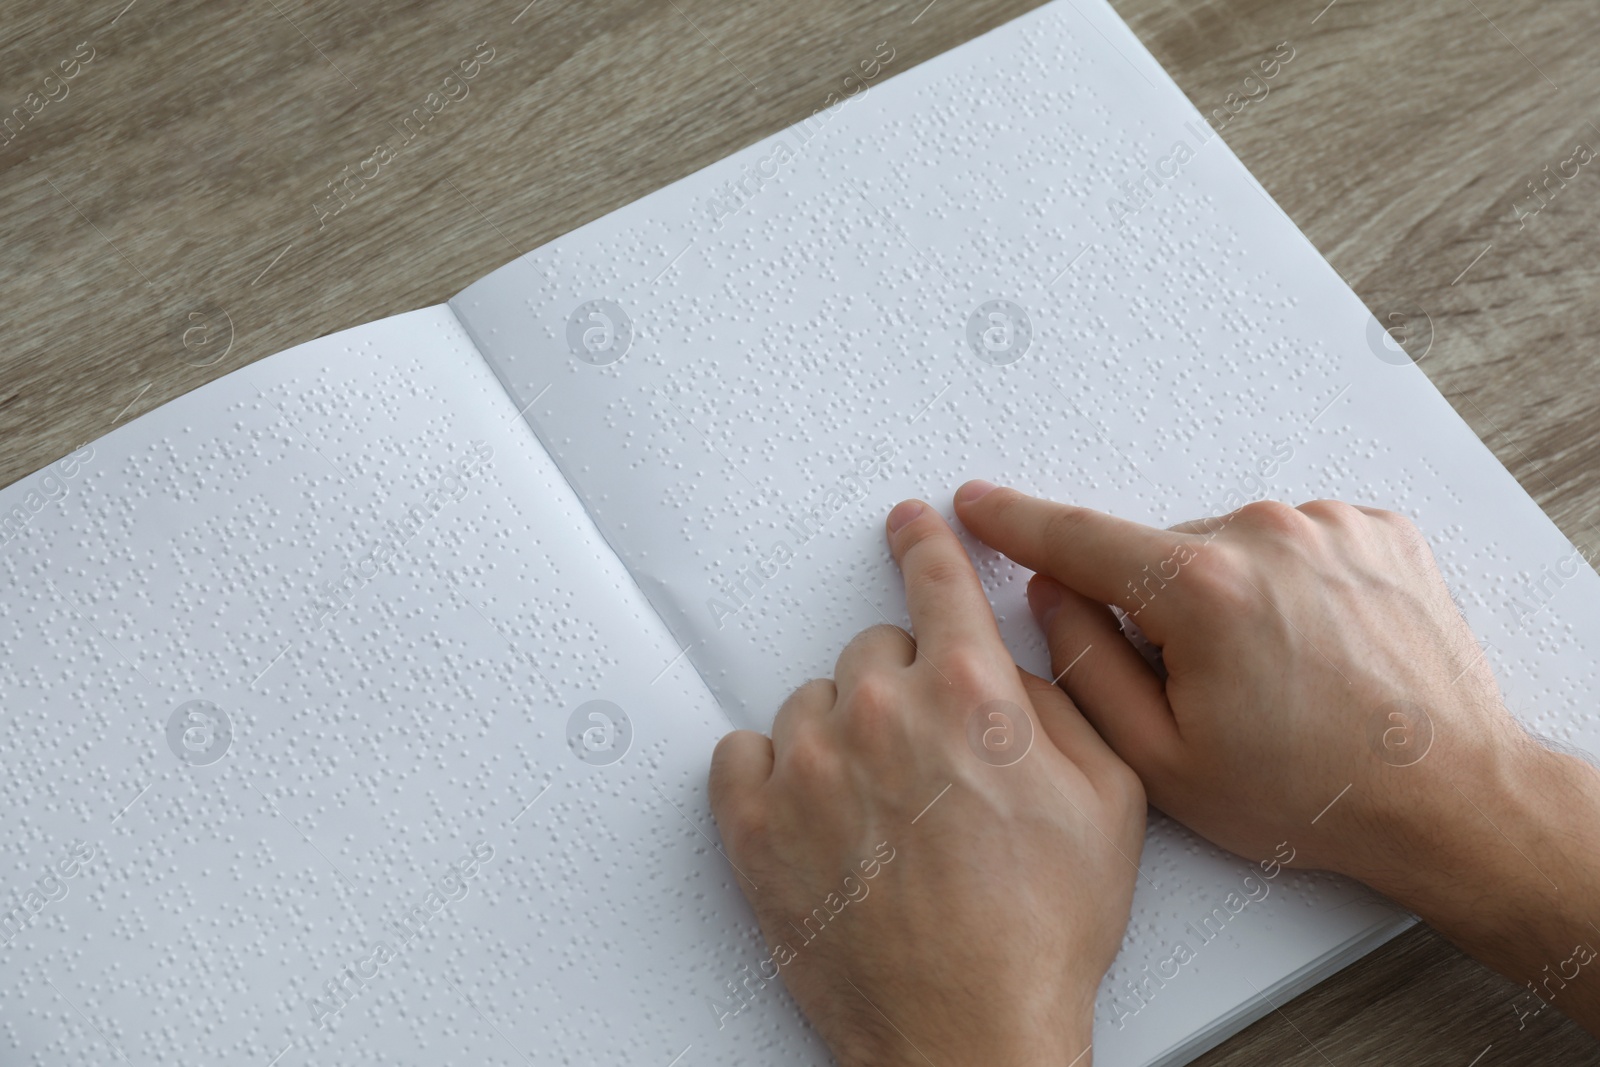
x=940, y=850
x=1321, y=690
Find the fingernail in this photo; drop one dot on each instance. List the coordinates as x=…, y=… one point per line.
x=1044, y=597
x=903, y=513
x=973, y=490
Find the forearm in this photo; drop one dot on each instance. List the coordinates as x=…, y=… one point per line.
x=1510, y=872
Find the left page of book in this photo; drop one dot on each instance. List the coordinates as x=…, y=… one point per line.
x=335, y=734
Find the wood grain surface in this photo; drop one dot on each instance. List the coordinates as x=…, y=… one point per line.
x=168, y=205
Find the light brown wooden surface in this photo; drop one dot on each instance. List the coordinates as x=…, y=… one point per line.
x=179, y=173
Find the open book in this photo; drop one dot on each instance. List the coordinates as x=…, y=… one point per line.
x=358, y=705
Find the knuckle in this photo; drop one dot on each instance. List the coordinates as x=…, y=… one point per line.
x=810, y=757
x=875, y=726
x=1126, y=787
x=1273, y=516
x=817, y=695
x=915, y=537
x=885, y=633
x=1401, y=524
x=1062, y=525
x=940, y=571
x=740, y=816
x=969, y=670
x=1399, y=530
x=873, y=695
x=723, y=755
x=1333, y=512
x=1001, y=504
x=873, y=648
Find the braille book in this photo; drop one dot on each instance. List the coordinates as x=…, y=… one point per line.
x=357, y=706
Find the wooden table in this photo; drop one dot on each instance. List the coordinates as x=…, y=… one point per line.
x=171, y=207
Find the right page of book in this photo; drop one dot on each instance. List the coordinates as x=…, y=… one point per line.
x=1029, y=260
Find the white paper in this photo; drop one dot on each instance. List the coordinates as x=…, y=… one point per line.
x=742, y=365
x=184, y=558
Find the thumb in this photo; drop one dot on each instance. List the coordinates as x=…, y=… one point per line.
x=1105, y=675
x=1070, y=732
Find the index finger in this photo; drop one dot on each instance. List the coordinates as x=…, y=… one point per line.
x=1105, y=558
x=946, y=601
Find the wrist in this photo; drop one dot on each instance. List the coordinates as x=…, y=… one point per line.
x=1432, y=829
x=976, y=1035
x=1499, y=855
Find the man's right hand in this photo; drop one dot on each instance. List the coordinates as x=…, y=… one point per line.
x=1321, y=690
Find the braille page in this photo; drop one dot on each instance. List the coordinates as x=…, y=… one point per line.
x=1028, y=260
x=334, y=734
